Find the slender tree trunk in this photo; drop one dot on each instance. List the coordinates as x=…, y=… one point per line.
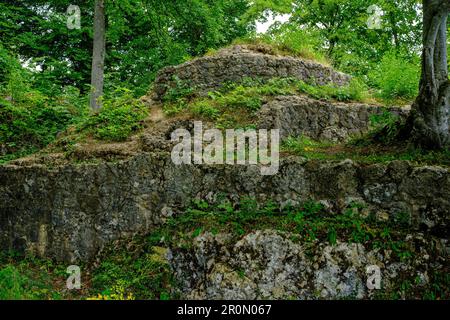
x=98, y=55
x=429, y=120
x=394, y=31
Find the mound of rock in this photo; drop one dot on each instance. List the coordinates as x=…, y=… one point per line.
x=70, y=212
x=234, y=64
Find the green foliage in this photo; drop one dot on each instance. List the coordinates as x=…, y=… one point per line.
x=240, y=97
x=342, y=30
x=363, y=151
x=138, y=268
x=396, y=78
x=146, y=276
x=8, y=64
x=180, y=90
x=121, y=116
x=142, y=37
x=235, y=104
x=29, y=119
x=440, y=289
x=300, y=42
x=355, y=91
x=205, y=109
x=385, y=129
x=332, y=236
x=309, y=221
x=28, y=278
x=387, y=123
x=288, y=40
x=13, y=284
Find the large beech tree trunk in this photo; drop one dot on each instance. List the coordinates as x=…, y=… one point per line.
x=429, y=119
x=98, y=55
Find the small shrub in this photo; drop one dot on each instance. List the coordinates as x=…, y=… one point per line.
x=33, y=123
x=179, y=90
x=385, y=126
x=12, y=284
x=29, y=118
x=300, y=42
x=241, y=97
x=204, y=108
x=120, y=116
x=396, y=78
x=22, y=280
x=122, y=276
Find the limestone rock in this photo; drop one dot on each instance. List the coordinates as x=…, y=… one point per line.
x=238, y=62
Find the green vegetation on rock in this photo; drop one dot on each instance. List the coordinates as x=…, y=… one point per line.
x=362, y=152
x=139, y=269
x=235, y=103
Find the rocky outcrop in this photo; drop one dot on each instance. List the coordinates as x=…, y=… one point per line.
x=238, y=62
x=70, y=212
x=267, y=264
x=320, y=120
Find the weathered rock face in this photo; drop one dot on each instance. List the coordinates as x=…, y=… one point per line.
x=71, y=212
x=239, y=62
x=321, y=120
x=269, y=265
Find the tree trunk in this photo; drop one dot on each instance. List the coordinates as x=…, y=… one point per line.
x=429, y=119
x=98, y=56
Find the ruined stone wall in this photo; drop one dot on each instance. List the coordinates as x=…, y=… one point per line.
x=236, y=63
x=320, y=120
x=71, y=212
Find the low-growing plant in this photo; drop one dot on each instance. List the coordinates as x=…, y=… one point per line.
x=124, y=276
x=29, y=278
x=355, y=91
x=13, y=284
x=30, y=119
x=179, y=89
x=121, y=116
x=287, y=40
x=204, y=108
